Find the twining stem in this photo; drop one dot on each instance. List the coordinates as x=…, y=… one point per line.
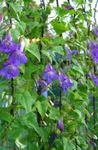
x=12, y=95
x=12, y=87
x=60, y=96
x=95, y=11
x=57, y=2
x=43, y=3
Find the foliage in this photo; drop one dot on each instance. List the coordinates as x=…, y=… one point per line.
x=52, y=107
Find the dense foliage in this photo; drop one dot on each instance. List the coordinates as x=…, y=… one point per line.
x=48, y=75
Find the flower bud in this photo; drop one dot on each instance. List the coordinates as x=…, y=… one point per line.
x=61, y=125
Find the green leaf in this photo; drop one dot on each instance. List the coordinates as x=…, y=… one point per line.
x=79, y=1
x=5, y=115
x=78, y=112
x=21, y=26
x=67, y=144
x=15, y=34
x=35, y=24
x=26, y=100
x=16, y=8
x=54, y=114
x=42, y=107
x=33, y=49
x=59, y=41
x=58, y=49
x=34, y=146
x=48, y=54
x=30, y=120
x=22, y=68
x=59, y=27
x=78, y=69
x=19, y=144
x=86, y=113
x=60, y=11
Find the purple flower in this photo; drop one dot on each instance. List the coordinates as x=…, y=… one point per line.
x=94, y=48
x=68, y=7
x=52, y=137
x=65, y=82
x=71, y=52
x=94, y=78
x=9, y=70
x=61, y=125
x=43, y=85
x=94, y=144
x=7, y=45
x=96, y=31
x=49, y=74
x=18, y=58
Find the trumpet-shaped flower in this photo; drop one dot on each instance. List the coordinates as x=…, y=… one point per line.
x=50, y=74
x=7, y=45
x=18, y=58
x=71, y=52
x=9, y=70
x=65, y=82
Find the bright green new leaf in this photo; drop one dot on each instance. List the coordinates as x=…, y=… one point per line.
x=34, y=50
x=59, y=27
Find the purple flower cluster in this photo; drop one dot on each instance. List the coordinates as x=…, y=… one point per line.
x=16, y=57
x=94, y=48
x=50, y=75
